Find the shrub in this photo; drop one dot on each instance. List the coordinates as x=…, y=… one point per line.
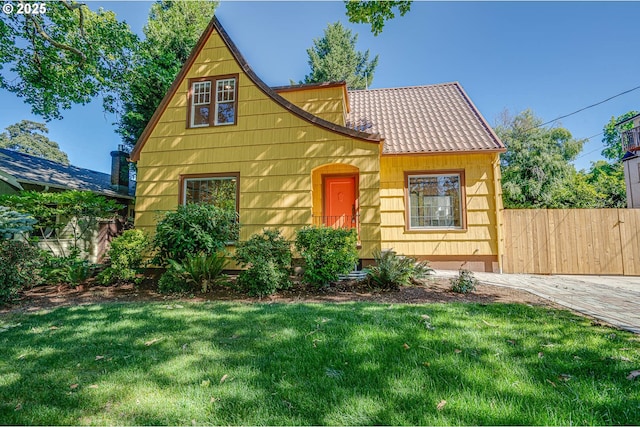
x=392, y=271
x=18, y=268
x=204, y=270
x=192, y=229
x=464, y=283
x=126, y=256
x=327, y=253
x=268, y=258
x=71, y=269
x=12, y=222
x=173, y=282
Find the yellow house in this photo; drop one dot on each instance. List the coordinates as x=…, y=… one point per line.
x=414, y=169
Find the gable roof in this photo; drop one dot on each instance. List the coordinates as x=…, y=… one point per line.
x=422, y=119
x=25, y=169
x=215, y=26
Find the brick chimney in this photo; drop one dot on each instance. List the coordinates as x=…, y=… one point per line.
x=120, y=170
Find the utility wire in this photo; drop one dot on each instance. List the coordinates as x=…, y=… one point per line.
x=587, y=107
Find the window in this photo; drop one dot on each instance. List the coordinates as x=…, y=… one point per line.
x=213, y=101
x=435, y=200
x=200, y=104
x=225, y=102
x=217, y=189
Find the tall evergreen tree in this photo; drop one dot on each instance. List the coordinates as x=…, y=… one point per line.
x=171, y=32
x=30, y=138
x=334, y=58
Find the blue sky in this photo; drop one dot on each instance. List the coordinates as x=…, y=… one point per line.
x=552, y=57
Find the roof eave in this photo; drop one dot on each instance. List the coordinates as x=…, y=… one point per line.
x=435, y=153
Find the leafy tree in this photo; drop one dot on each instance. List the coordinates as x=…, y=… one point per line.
x=172, y=31
x=334, y=58
x=536, y=168
x=611, y=139
x=67, y=55
x=608, y=181
x=30, y=138
x=375, y=12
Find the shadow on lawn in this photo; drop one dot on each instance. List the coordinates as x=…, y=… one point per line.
x=311, y=364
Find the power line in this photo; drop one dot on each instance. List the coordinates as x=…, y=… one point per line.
x=589, y=106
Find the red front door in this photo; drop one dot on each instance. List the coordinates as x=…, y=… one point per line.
x=340, y=201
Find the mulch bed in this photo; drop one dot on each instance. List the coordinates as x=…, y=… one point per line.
x=434, y=290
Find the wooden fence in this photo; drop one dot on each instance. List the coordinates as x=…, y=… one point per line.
x=572, y=241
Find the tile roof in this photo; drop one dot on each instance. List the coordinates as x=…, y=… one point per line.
x=35, y=170
x=422, y=119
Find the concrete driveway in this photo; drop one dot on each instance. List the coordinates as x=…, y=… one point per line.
x=612, y=299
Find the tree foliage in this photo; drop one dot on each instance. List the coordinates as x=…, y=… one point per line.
x=375, y=12
x=334, y=58
x=611, y=137
x=536, y=169
x=75, y=212
x=608, y=181
x=171, y=32
x=30, y=138
x=66, y=56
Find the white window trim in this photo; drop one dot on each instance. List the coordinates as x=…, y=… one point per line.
x=194, y=104
x=435, y=227
x=217, y=103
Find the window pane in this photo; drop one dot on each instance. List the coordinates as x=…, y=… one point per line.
x=201, y=93
x=219, y=192
x=200, y=116
x=226, y=113
x=225, y=101
x=226, y=90
x=434, y=201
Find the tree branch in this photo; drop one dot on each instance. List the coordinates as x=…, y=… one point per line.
x=76, y=6
x=48, y=38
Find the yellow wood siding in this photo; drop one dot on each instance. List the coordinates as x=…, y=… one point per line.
x=327, y=103
x=480, y=238
x=274, y=151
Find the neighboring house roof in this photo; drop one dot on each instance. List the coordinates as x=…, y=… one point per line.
x=215, y=25
x=26, y=169
x=422, y=119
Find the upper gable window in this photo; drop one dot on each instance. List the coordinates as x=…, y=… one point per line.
x=213, y=101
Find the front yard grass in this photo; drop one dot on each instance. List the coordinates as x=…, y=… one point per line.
x=315, y=364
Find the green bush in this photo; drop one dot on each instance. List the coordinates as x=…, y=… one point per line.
x=126, y=256
x=267, y=257
x=12, y=222
x=172, y=281
x=70, y=270
x=192, y=229
x=464, y=283
x=392, y=271
x=18, y=268
x=327, y=253
x=203, y=270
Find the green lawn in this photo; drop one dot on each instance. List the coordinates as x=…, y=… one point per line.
x=311, y=364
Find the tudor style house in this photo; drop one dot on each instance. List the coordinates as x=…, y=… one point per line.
x=414, y=169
